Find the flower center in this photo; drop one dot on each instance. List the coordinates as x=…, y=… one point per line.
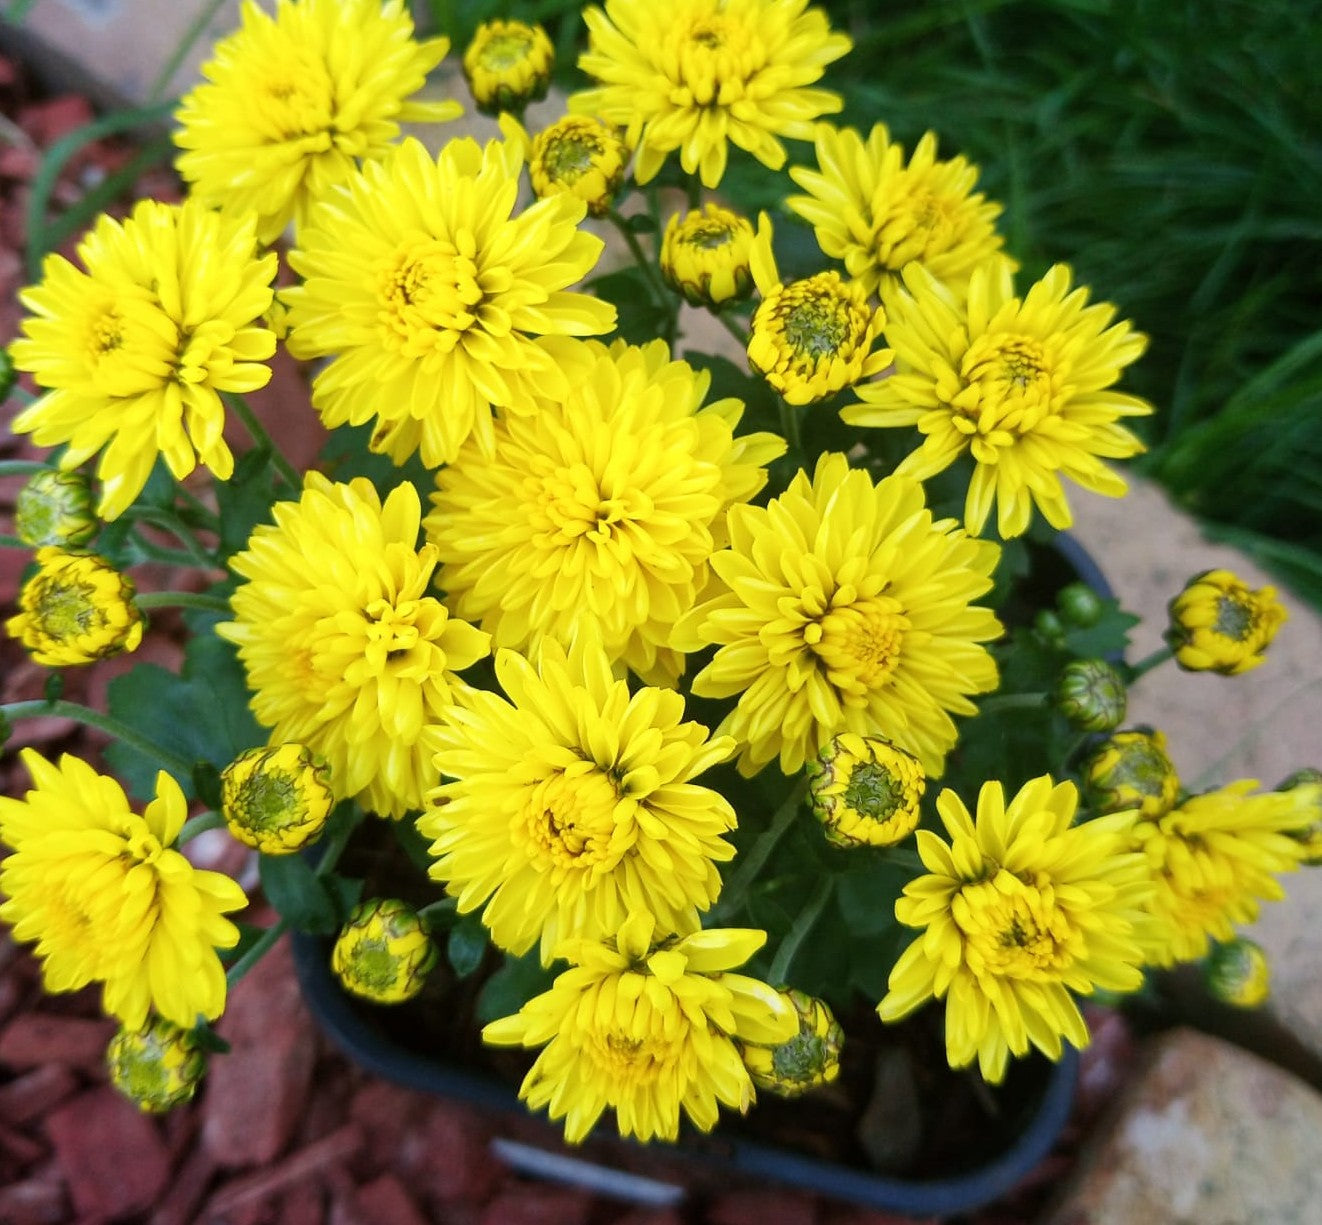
x=66, y=610
x=142, y=845
x=1013, y=929
x=861, y=643
x=573, y=822
x=567, y=156
x=917, y=225
x=1010, y=386
x=629, y=1060
x=708, y=234
x=576, y=507
x=391, y=631
x=505, y=50
x=1235, y=618
x=293, y=97
x=874, y=791
x=711, y=57
x=427, y=293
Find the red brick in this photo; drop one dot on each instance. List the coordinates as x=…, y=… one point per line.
x=257, y=1093
x=540, y=1204
x=759, y=1207
x=304, y=1204
x=112, y=1155
x=264, y=1185
x=386, y=1201
x=19, y=1145
x=32, y=1039
x=389, y=1117
x=450, y=1153
x=34, y=1202
x=47, y=121
x=188, y=1188
x=36, y=1093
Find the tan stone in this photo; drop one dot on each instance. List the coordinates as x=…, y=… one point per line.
x=1206, y=1135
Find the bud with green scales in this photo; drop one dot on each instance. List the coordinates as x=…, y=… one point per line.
x=1090, y=693
x=157, y=1067
x=1131, y=770
x=706, y=255
x=507, y=65
x=1219, y=624
x=276, y=799
x=808, y=1060
x=384, y=952
x=56, y=508
x=865, y=791
x=1237, y=973
x=580, y=156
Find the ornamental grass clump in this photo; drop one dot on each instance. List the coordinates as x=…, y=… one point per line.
x=712, y=701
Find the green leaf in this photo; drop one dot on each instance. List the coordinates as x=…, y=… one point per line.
x=244, y=500
x=639, y=317
x=467, y=945
x=641, y=223
x=512, y=986
x=345, y=892
x=1107, y=639
x=299, y=894
x=865, y=895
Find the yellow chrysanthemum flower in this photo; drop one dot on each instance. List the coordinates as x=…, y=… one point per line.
x=706, y=254
x=1218, y=623
x=842, y=606
x=599, y=512
x=436, y=302
x=572, y=804
x=646, y=1025
x=1018, y=910
x=695, y=74
x=107, y=900
x=76, y=609
x=345, y=651
x=580, y=156
x=812, y=337
x=294, y=101
x=507, y=65
x=1019, y=383
x=1212, y=859
x=876, y=214
x=136, y=349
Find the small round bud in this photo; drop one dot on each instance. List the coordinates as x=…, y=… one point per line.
x=1131, y=770
x=1219, y=624
x=1237, y=973
x=1091, y=695
x=1079, y=605
x=276, y=799
x=1307, y=784
x=706, y=255
x=809, y=1059
x=507, y=65
x=157, y=1067
x=56, y=508
x=1049, y=627
x=865, y=791
x=8, y=375
x=76, y=609
x=581, y=156
x=384, y=951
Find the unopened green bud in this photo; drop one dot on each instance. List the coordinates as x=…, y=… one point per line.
x=1131, y=770
x=1091, y=695
x=1237, y=973
x=157, y=1067
x=865, y=791
x=276, y=799
x=809, y=1059
x=56, y=508
x=1079, y=605
x=1049, y=627
x=1307, y=784
x=384, y=951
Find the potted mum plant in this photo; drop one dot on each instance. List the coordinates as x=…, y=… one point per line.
x=725, y=706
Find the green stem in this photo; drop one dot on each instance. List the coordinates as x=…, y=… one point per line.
x=259, y=948
x=22, y=467
x=777, y=975
x=657, y=285
x=182, y=48
x=906, y=858
x=732, y=894
x=199, y=509
x=148, y=551
x=39, y=707
x=438, y=909
x=168, y=521
x=1148, y=662
x=183, y=599
x=244, y=412
x=1013, y=701
x=694, y=189
x=199, y=825
x=12, y=542
x=789, y=426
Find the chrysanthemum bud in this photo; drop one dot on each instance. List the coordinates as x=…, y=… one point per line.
x=809, y=1059
x=507, y=65
x=579, y=155
x=76, y=609
x=1309, y=783
x=1131, y=770
x=157, y=1067
x=1091, y=695
x=276, y=799
x=56, y=508
x=706, y=255
x=1219, y=624
x=384, y=951
x=865, y=791
x=1237, y=973
x=1079, y=605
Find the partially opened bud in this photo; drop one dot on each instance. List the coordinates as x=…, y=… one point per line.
x=1131, y=770
x=76, y=609
x=1237, y=973
x=706, y=255
x=865, y=791
x=809, y=1059
x=581, y=156
x=276, y=799
x=1091, y=695
x=1219, y=624
x=384, y=951
x=157, y=1067
x=1308, y=784
x=56, y=508
x=507, y=65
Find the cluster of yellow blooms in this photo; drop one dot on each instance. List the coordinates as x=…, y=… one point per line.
x=509, y=660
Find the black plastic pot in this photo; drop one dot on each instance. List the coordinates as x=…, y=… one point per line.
x=350, y=1027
